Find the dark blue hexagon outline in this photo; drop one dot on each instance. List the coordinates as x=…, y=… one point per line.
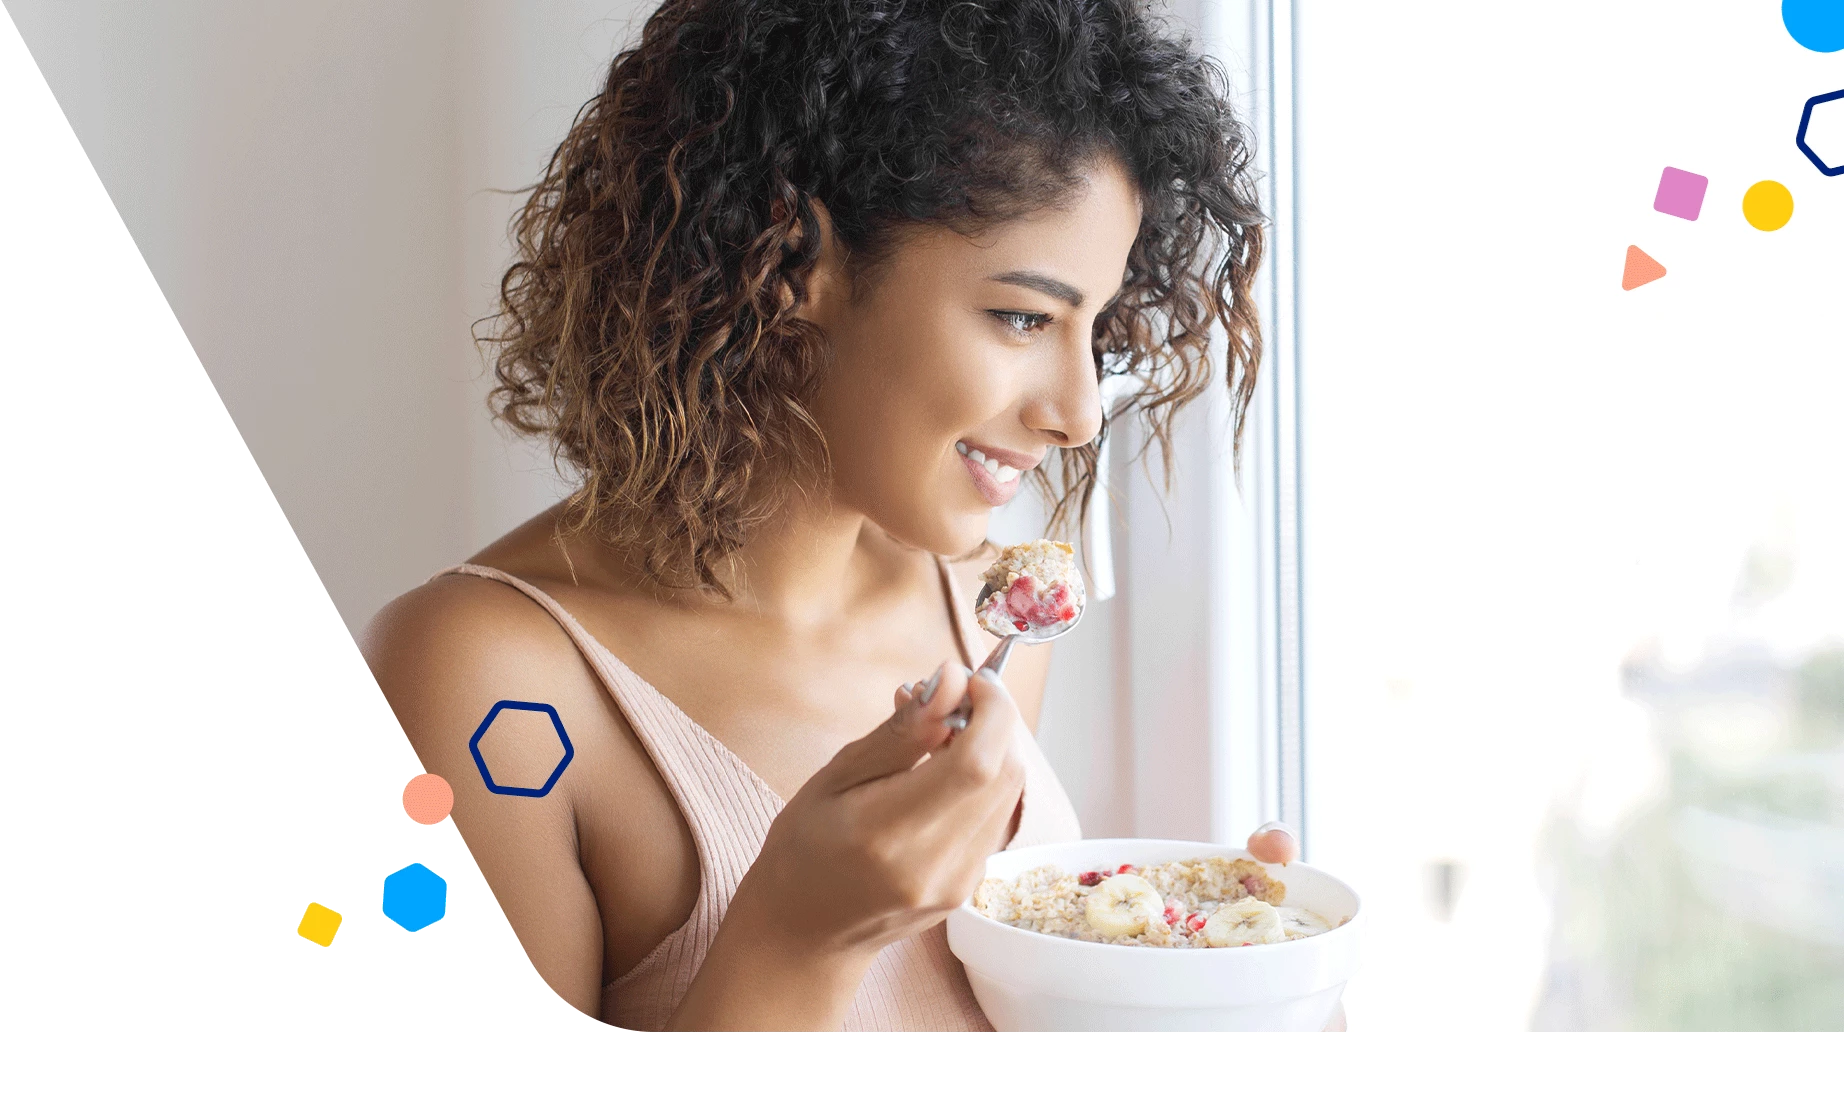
x=1805, y=121
x=480, y=762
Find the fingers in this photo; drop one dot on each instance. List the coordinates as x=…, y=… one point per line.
x=1274, y=843
x=934, y=699
x=978, y=754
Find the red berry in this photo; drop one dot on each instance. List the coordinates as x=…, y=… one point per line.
x=1196, y=922
x=1022, y=625
x=1124, y=869
x=1089, y=880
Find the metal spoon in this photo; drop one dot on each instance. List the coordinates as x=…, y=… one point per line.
x=1034, y=635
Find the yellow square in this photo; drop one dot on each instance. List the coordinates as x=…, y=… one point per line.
x=319, y=924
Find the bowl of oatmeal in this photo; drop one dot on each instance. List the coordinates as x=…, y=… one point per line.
x=1134, y=934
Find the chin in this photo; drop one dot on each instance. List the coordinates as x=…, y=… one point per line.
x=969, y=537
x=945, y=535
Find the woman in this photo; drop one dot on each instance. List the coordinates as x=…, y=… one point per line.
x=791, y=268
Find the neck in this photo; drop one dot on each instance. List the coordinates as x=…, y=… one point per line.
x=801, y=566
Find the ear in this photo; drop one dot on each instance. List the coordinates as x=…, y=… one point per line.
x=829, y=282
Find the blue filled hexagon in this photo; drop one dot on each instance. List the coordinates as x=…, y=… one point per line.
x=414, y=897
x=480, y=762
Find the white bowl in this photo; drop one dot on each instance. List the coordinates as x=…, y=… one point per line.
x=1026, y=981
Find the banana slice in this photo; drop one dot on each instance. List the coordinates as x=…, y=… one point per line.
x=1245, y=921
x=1301, y=923
x=1124, y=905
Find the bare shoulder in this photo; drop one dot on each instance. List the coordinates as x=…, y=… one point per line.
x=1029, y=668
x=463, y=622
x=446, y=652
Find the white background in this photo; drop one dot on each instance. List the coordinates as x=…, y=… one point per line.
x=1515, y=471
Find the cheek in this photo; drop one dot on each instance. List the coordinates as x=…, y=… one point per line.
x=897, y=399
x=891, y=425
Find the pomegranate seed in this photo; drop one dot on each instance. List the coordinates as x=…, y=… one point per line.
x=1248, y=944
x=1124, y=869
x=1196, y=922
x=1172, y=912
x=1089, y=880
x=1022, y=625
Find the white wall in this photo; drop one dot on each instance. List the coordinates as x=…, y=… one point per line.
x=523, y=70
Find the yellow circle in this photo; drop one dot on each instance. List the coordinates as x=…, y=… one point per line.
x=1768, y=205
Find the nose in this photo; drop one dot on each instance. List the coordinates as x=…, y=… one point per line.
x=1066, y=407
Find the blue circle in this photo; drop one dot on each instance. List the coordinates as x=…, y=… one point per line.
x=1815, y=24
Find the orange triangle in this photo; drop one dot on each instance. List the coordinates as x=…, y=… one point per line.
x=1640, y=269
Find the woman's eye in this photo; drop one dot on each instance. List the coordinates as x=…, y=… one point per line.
x=1025, y=323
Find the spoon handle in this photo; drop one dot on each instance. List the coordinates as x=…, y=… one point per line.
x=1000, y=654
x=996, y=661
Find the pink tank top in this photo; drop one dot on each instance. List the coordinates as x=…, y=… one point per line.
x=915, y=984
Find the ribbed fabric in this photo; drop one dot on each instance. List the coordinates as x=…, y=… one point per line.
x=915, y=984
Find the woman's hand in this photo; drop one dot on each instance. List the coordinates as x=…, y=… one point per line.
x=880, y=844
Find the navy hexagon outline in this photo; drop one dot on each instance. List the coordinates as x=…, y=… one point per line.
x=1805, y=121
x=480, y=762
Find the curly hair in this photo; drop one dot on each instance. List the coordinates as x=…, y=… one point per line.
x=647, y=325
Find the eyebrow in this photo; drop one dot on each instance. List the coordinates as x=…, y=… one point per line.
x=1042, y=283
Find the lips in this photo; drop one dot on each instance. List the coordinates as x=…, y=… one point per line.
x=995, y=471
x=995, y=493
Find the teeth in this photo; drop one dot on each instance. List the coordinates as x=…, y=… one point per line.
x=1000, y=472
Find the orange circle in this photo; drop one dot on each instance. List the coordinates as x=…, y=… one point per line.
x=428, y=798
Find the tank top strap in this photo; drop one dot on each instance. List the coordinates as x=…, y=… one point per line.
x=727, y=806
x=958, y=616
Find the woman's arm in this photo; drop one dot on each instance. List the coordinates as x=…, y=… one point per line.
x=443, y=655
x=875, y=847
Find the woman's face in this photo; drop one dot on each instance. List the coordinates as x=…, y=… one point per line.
x=969, y=349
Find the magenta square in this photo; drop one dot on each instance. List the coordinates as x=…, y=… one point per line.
x=1680, y=193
